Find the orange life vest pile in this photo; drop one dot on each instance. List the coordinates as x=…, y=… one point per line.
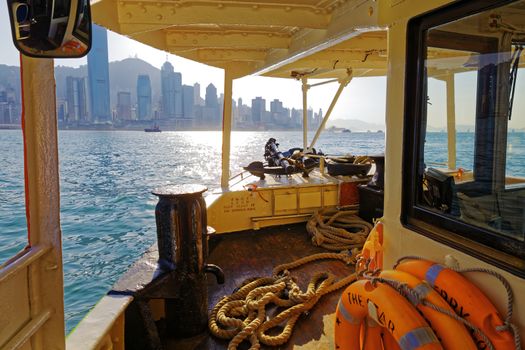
x=419, y=305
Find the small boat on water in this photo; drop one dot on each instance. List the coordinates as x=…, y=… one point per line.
x=155, y=128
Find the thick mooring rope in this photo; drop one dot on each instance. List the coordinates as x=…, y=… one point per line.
x=242, y=315
x=338, y=230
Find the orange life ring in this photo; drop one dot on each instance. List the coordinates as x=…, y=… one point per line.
x=452, y=333
x=389, y=343
x=389, y=309
x=465, y=298
x=371, y=335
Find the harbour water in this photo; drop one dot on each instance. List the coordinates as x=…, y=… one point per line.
x=107, y=211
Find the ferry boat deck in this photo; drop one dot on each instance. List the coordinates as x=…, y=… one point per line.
x=243, y=256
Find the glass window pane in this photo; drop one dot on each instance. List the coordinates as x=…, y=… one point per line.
x=472, y=165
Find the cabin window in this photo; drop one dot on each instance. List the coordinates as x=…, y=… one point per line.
x=465, y=128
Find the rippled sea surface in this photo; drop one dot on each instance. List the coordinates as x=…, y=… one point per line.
x=107, y=211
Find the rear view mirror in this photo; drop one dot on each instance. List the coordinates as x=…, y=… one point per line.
x=51, y=28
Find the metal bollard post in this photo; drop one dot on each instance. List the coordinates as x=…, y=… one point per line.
x=183, y=249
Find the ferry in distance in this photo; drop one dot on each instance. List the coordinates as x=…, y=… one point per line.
x=155, y=128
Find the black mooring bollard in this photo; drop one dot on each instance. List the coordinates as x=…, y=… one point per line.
x=183, y=249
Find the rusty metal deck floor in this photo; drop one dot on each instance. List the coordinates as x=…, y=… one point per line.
x=254, y=254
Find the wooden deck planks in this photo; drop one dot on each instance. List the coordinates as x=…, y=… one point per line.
x=255, y=254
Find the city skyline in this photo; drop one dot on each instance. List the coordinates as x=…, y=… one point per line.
x=288, y=90
x=363, y=99
x=179, y=107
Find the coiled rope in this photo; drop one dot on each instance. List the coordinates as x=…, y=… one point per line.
x=242, y=315
x=338, y=230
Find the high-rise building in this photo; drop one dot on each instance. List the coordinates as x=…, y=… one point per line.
x=178, y=95
x=211, y=99
x=98, y=76
x=143, y=97
x=167, y=80
x=197, y=99
x=5, y=113
x=244, y=115
x=258, y=109
x=61, y=110
x=297, y=117
x=279, y=114
x=10, y=107
x=211, y=113
x=318, y=119
x=76, y=99
x=276, y=106
x=187, y=101
x=124, y=105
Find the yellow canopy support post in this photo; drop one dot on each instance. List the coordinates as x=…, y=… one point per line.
x=304, y=80
x=451, y=121
x=342, y=84
x=226, y=128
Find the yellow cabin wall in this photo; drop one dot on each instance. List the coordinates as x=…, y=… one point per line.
x=399, y=241
x=31, y=284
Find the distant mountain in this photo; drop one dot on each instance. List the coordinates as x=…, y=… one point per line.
x=355, y=125
x=120, y=78
x=459, y=128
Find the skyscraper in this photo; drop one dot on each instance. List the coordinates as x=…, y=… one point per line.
x=211, y=113
x=279, y=114
x=197, y=100
x=143, y=97
x=98, y=76
x=5, y=113
x=187, y=101
x=61, y=110
x=297, y=117
x=258, y=109
x=124, y=105
x=211, y=96
x=178, y=95
x=76, y=99
x=167, y=80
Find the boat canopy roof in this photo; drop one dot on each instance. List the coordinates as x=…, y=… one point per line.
x=287, y=39
x=321, y=38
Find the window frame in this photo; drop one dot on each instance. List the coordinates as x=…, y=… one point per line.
x=496, y=249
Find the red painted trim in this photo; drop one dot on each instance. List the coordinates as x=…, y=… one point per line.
x=26, y=177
